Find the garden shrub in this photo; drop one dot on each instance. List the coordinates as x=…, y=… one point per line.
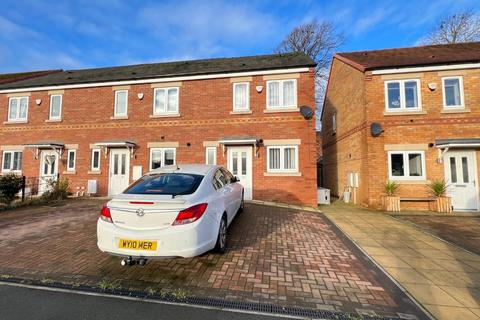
x=10, y=186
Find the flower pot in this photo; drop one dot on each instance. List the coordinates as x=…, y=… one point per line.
x=391, y=203
x=443, y=204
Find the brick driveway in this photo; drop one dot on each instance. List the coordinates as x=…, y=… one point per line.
x=462, y=231
x=276, y=255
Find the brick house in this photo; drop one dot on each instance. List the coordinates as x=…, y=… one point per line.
x=411, y=115
x=108, y=126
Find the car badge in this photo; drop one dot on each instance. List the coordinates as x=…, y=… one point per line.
x=140, y=212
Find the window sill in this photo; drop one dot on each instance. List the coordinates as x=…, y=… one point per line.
x=166, y=115
x=53, y=120
x=241, y=112
x=69, y=172
x=119, y=118
x=455, y=110
x=411, y=181
x=282, y=174
x=17, y=172
x=404, y=113
x=94, y=172
x=16, y=122
x=281, y=110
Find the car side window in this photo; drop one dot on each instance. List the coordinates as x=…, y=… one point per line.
x=219, y=180
x=228, y=176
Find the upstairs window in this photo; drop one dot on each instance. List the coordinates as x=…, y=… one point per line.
x=160, y=157
x=121, y=103
x=452, y=92
x=402, y=95
x=55, y=107
x=282, y=94
x=12, y=161
x=282, y=159
x=165, y=101
x=18, y=109
x=406, y=165
x=241, y=96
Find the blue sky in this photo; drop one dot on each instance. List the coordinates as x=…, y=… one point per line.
x=37, y=35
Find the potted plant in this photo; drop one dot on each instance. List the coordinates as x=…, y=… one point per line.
x=442, y=203
x=390, y=201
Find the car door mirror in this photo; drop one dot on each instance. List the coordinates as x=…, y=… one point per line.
x=235, y=179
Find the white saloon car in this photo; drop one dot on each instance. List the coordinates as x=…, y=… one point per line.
x=174, y=211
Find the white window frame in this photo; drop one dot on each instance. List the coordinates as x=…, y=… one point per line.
x=406, y=166
x=11, y=170
x=51, y=106
x=282, y=158
x=444, y=93
x=99, y=159
x=403, y=108
x=165, y=112
x=163, y=150
x=115, y=113
x=247, y=108
x=214, y=152
x=280, y=92
x=69, y=154
x=18, y=109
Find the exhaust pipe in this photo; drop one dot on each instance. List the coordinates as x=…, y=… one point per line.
x=127, y=262
x=142, y=262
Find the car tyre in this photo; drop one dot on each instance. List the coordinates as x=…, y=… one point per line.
x=221, y=245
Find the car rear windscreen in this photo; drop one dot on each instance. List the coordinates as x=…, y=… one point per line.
x=166, y=183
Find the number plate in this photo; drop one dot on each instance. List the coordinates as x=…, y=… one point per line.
x=137, y=245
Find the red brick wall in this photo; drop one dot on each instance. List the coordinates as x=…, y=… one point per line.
x=204, y=106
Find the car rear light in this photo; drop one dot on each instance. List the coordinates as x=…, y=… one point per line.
x=141, y=202
x=190, y=215
x=105, y=214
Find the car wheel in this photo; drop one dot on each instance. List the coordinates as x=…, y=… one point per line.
x=221, y=245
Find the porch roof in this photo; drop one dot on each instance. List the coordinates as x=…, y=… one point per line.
x=46, y=145
x=238, y=140
x=458, y=143
x=116, y=143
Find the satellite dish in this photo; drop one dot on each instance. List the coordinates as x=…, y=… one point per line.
x=376, y=129
x=306, y=112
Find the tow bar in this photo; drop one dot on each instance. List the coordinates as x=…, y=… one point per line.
x=127, y=262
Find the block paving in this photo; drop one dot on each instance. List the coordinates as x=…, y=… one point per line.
x=276, y=255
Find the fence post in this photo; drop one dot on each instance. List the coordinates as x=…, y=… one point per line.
x=24, y=179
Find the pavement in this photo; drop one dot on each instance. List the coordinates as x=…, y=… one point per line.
x=37, y=304
x=442, y=277
x=281, y=256
x=463, y=231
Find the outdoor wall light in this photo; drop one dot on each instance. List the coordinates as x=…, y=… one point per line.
x=432, y=86
x=38, y=102
x=140, y=96
x=259, y=88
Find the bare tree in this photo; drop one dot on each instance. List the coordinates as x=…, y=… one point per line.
x=319, y=40
x=460, y=27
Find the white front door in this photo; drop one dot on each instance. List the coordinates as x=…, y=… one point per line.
x=461, y=176
x=48, y=169
x=119, y=171
x=240, y=165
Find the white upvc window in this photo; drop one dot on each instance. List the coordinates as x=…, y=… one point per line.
x=453, y=96
x=160, y=157
x=165, y=101
x=403, y=95
x=121, y=103
x=71, y=160
x=95, y=160
x=241, y=96
x=12, y=161
x=282, y=158
x=406, y=165
x=18, y=109
x=282, y=94
x=211, y=155
x=55, y=107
